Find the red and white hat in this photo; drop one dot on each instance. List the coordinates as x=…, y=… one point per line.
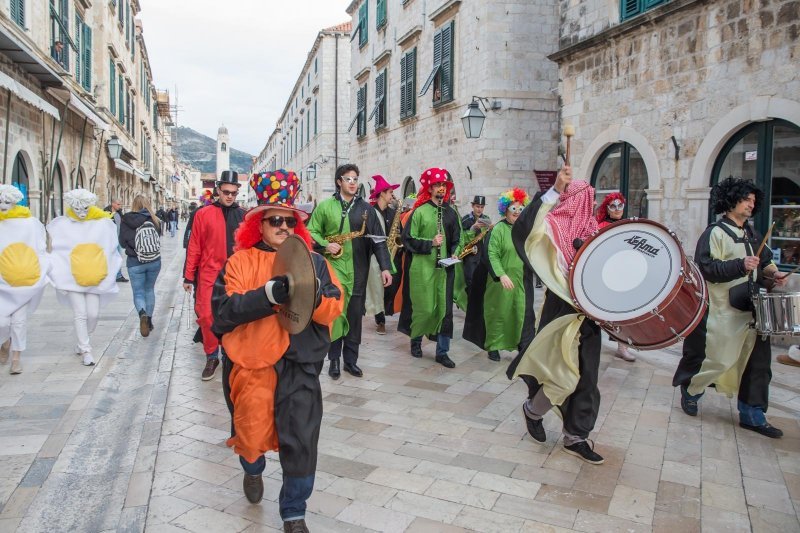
x=432, y=176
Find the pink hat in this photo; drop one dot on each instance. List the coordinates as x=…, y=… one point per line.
x=380, y=185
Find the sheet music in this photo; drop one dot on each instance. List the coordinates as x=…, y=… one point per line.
x=449, y=261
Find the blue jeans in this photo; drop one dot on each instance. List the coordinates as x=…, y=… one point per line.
x=173, y=227
x=295, y=491
x=442, y=344
x=143, y=282
x=752, y=416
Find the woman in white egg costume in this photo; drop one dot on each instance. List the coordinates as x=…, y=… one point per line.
x=23, y=273
x=85, y=263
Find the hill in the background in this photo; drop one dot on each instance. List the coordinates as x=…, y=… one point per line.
x=200, y=151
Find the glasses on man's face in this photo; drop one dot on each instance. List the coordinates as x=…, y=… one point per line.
x=350, y=179
x=277, y=221
x=229, y=193
x=515, y=208
x=616, y=206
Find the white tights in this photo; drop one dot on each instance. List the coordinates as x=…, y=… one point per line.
x=85, y=310
x=15, y=327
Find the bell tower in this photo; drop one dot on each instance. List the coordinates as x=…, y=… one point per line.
x=223, y=150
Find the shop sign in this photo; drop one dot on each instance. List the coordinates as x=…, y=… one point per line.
x=751, y=156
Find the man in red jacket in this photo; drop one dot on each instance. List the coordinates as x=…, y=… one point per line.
x=210, y=245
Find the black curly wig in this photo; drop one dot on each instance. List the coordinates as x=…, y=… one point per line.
x=730, y=191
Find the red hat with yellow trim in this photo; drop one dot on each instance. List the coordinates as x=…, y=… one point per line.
x=276, y=189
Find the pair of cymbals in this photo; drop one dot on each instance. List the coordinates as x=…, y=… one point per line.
x=293, y=260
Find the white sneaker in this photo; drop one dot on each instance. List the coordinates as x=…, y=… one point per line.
x=623, y=353
x=87, y=359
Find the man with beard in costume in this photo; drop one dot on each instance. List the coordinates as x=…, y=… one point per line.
x=561, y=366
x=265, y=366
x=723, y=350
x=210, y=245
x=343, y=213
x=431, y=233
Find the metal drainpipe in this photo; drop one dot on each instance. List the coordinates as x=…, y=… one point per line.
x=336, y=106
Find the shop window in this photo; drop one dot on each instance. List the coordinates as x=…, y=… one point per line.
x=769, y=154
x=20, y=179
x=621, y=168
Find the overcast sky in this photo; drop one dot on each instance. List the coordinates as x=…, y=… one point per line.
x=234, y=61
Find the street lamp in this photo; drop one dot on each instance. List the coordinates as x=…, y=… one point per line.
x=473, y=120
x=311, y=171
x=114, y=147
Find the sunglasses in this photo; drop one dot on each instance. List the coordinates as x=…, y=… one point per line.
x=515, y=208
x=229, y=193
x=277, y=221
x=350, y=179
x=616, y=206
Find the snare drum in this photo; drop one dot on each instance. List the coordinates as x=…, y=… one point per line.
x=777, y=313
x=634, y=280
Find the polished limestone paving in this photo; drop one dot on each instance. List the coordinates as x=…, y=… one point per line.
x=137, y=442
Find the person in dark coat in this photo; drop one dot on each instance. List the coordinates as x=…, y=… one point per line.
x=472, y=225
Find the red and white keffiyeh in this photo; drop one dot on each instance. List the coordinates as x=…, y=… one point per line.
x=573, y=218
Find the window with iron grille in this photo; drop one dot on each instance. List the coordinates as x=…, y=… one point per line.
x=379, y=111
x=441, y=76
x=408, y=84
x=631, y=8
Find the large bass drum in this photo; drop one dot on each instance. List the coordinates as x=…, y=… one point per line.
x=634, y=280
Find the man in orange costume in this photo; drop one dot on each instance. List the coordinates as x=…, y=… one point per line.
x=210, y=245
x=271, y=380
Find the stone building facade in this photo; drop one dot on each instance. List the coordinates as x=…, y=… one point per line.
x=418, y=64
x=60, y=108
x=310, y=136
x=668, y=97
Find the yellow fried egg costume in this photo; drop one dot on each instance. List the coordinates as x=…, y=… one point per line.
x=84, y=254
x=24, y=263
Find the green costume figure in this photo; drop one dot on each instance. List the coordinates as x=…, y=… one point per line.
x=343, y=213
x=501, y=298
x=431, y=233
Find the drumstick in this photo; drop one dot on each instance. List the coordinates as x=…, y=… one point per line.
x=764, y=241
x=569, y=132
x=794, y=271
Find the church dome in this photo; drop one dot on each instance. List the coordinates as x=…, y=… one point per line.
x=222, y=130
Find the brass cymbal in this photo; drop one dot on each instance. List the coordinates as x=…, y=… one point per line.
x=293, y=260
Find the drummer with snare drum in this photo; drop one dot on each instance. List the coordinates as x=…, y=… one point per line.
x=561, y=365
x=271, y=380
x=724, y=351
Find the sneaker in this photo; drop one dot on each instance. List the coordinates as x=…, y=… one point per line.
x=211, y=368
x=688, y=404
x=87, y=359
x=767, y=430
x=144, y=327
x=586, y=452
x=445, y=361
x=535, y=427
x=381, y=329
x=122, y=279
x=494, y=355
x=623, y=353
x=295, y=526
x=253, y=487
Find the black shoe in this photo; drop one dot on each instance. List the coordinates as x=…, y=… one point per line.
x=538, y=285
x=150, y=323
x=333, y=369
x=494, y=355
x=416, y=350
x=535, y=428
x=211, y=368
x=688, y=404
x=584, y=451
x=295, y=526
x=253, y=488
x=144, y=327
x=353, y=370
x=445, y=361
x=767, y=430
x=122, y=279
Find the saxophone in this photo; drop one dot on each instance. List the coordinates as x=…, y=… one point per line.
x=344, y=237
x=393, y=240
x=472, y=246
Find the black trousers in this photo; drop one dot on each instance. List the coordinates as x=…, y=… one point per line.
x=347, y=346
x=469, y=264
x=580, y=409
x=754, y=387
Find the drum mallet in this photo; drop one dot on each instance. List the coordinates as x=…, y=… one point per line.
x=569, y=133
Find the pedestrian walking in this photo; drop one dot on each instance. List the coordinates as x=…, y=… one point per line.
x=172, y=220
x=85, y=263
x=271, y=379
x=140, y=237
x=24, y=266
x=115, y=208
x=210, y=245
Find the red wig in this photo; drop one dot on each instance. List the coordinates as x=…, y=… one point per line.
x=248, y=234
x=602, y=211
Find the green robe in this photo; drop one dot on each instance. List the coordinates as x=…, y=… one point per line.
x=503, y=310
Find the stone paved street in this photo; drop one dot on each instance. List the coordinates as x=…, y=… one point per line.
x=137, y=443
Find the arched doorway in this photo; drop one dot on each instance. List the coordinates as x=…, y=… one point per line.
x=409, y=187
x=20, y=178
x=769, y=154
x=621, y=168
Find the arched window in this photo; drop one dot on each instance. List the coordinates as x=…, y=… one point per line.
x=80, y=181
x=57, y=201
x=224, y=147
x=409, y=187
x=769, y=154
x=621, y=168
x=19, y=178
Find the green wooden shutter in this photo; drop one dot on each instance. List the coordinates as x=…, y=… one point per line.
x=380, y=14
x=362, y=111
x=308, y=126
x=121, y=98
x=437, y=62
x=448, y=37
x=403, y=86
x=79, y=51
x=315, y=117
x=363, y=21
x=18, y=12
x=112, y=90
x=411, y=83
x=87, y=58
x=652, y=3
x=630, y=8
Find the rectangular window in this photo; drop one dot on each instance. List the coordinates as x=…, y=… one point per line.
x=121, y=13
x=301, y=133
x=380, y=14
x=631, y=8
x=315, y=118
x=18, y=12
x=315, y=64
x=83, y=55
x=121, y=98
x=78, y=55
x=441, y=76
x=61, y=41
x=112, y=91
x=379, y=111
x=408, y=83
x=155, y=117
x=363, y=21
x=308, y=126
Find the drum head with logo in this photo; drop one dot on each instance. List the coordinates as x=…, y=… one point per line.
x=626, y=270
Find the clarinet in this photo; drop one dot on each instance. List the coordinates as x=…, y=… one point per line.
x=440, y=231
